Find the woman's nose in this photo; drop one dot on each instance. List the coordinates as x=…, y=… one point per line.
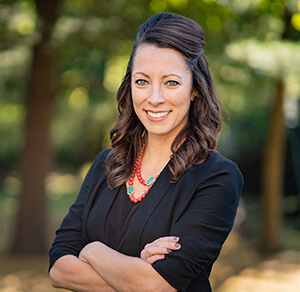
x=156, y=97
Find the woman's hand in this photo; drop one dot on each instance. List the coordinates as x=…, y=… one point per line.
x=157, y=249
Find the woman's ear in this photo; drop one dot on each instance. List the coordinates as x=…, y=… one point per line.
x=194, y=94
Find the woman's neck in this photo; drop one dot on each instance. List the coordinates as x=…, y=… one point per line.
x=157, y=153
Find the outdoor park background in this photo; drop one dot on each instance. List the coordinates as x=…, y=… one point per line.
x=61, y=62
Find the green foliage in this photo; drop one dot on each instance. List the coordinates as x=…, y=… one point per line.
x=94, y=38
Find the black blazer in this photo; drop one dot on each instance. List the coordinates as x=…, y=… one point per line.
x=199, y=208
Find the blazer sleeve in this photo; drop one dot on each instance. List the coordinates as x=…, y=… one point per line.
x=204, y=226
x=68, y=240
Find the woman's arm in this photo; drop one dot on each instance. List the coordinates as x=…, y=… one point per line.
x=122, y=272
x=66, y=270
x=71, y=273
x=203, y=226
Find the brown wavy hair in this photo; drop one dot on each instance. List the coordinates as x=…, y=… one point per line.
x=167, y=30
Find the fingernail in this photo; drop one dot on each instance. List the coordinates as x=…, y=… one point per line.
x=169, y=250
x=177, y=245
x=176, y=238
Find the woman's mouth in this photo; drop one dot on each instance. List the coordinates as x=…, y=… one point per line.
x=158, y=114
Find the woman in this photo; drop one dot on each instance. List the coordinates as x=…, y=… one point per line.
x=154, y=211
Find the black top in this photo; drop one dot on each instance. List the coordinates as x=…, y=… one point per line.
x=199, y=208
x=117, y=222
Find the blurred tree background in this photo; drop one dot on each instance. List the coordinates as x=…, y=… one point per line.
x=62, y=62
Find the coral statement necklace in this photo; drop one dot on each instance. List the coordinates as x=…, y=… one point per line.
x=137, y=170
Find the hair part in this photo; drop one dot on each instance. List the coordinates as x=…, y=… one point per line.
x=199, y=137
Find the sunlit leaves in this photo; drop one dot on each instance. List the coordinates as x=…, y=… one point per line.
x=179, y=4
x=158, y=6
x=22, y=18
x=11, y=115
x=23, y=24
x=296, y=21
x=277, y=8
x=72, y=78
x=66, y=26
x=79, y=98
x=213, y=23
x=235, y=74
x=274, y=59
x=115, y=70
x=13, y=62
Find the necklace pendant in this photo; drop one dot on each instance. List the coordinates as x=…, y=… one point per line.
x=130, y=190
x=150, y=181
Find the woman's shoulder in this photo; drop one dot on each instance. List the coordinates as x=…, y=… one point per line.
x=217, y=165
x=220, y=164
x=220, y=175
x=216, y=159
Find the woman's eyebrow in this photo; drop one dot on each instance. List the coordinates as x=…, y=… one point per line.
x=172, y=74
x=165, y=76
x=135, y=73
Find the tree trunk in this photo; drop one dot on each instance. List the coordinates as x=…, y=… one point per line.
x=274, y=161
x=273, y=175
x=29, y=234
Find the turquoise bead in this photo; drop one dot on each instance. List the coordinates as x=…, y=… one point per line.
x=150, y=181
x=130, y=190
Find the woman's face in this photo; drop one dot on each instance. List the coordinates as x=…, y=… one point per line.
x=161, y=90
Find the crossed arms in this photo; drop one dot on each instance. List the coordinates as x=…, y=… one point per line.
x=100, y=268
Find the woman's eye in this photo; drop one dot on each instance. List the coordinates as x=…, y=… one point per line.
x=172, y=83
x=141, y=82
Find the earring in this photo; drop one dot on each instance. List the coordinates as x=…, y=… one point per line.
x=193, y=97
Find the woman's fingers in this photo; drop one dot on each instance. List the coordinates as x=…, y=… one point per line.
x=170, y=242
x=164, y=243
x=166, y=239
x=155, y=258
x=158, y=248
x=151, y=251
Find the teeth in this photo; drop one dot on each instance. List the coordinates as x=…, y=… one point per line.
x=157, y=115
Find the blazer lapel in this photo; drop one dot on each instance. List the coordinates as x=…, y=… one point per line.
x=147, y=207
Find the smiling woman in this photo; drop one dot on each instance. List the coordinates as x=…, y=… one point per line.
x=155, y=210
